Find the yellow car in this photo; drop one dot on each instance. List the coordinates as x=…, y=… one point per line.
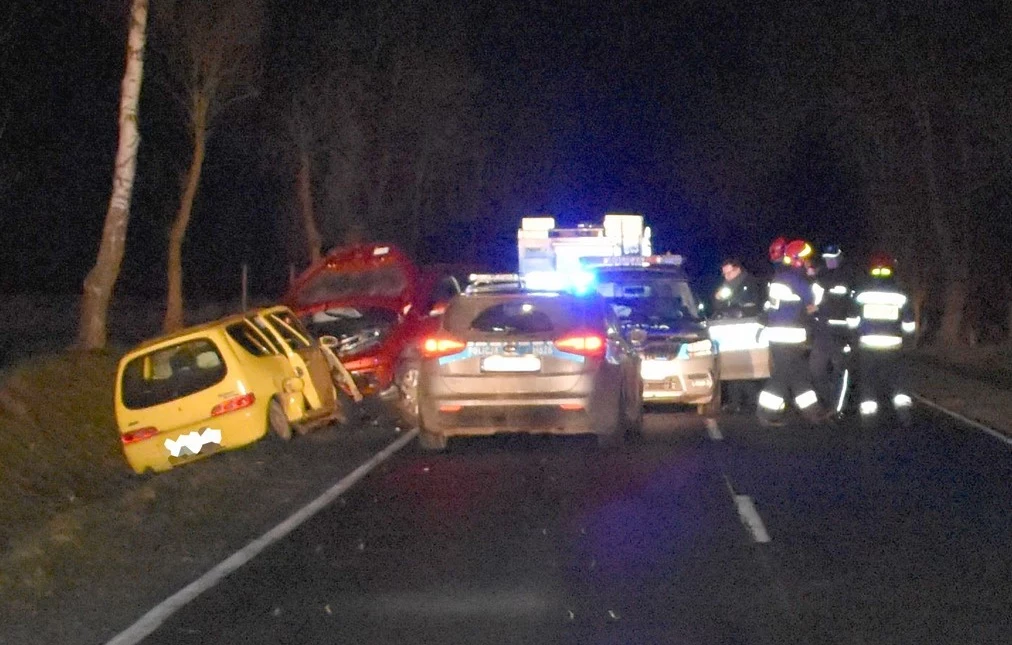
x=222, y=385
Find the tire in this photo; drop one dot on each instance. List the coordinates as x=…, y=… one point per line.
x=615, y=436
x=406, y=380
x=277, y=421
x=713, y=407
x=634, y=427
x=432, y=442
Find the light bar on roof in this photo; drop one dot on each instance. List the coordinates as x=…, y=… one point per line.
x=668, y=259
x=492, y=278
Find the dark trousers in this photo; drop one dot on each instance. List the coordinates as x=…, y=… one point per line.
x=789, y=375
x=880, y=378
x=827, y=363
x=739, y=395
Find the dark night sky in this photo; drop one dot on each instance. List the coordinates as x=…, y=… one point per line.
x=610, y=92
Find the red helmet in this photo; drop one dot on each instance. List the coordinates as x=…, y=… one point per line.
x=777, y=250
x=798, y=253
x=882, y=265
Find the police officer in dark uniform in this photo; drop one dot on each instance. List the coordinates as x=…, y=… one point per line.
x=886, y=317
x=790, y=307
x=832, y=338
x=737, y=297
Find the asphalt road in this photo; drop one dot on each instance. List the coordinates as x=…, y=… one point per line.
x=719, y=532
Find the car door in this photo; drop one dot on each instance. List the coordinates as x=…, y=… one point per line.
x=306, y=357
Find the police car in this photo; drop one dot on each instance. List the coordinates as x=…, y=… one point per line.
x=510, y=358
x=661, y=316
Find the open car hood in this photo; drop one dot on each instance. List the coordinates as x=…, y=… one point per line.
x=364, y=275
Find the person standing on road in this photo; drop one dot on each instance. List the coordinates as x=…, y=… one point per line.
x=831, y=338
x=885, y=318
x=790, y=307
x=738, y=294
x=737, y=297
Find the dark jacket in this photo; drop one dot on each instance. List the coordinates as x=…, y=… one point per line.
x=837, y=301
x=738, y=298
x=885, y=311
x=790, y=295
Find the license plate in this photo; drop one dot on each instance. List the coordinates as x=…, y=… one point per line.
x=500, y=363
x=881, y=312
x=652, y=370
x=493, y=348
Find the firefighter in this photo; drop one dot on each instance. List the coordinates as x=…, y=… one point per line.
x=831, y=337
x=885, y=318
x=789, y=309
x=777, y=250
x=737, y=297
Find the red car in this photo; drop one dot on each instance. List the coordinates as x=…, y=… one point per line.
x=378, y=303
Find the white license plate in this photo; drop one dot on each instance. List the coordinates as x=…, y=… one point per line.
x=499, y=363
x=881, y=312
x=652, y=370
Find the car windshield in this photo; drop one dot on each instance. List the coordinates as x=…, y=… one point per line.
x=521, y=314
x=381, y=282
x=648, y=297
x=170, y=373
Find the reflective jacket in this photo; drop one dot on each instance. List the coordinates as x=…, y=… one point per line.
x=837, y=303
x=787, y=318
x=737, y=298
x=885, y=314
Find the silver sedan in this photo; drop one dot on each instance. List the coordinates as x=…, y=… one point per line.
x=514, y=360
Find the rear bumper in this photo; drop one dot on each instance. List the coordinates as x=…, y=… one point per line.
x=538, y=413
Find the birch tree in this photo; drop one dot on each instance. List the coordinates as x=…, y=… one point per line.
x=99, y=283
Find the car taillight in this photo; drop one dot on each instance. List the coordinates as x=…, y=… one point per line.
x=436, y=346
x=138, y=435
x=585, y=344
x=233, y=404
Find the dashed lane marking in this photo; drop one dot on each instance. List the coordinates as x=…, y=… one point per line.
x=150, y=621
x=713, y=430
x=748, y=514
x=750, y=517
x=976, y=424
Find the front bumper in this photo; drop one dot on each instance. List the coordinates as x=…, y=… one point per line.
x=689, y=381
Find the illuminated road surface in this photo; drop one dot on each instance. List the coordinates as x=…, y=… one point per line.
x=717, y=532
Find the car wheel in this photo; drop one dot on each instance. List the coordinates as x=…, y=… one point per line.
x=614, y=437
x=278, y=421
x=713, y=407
x=406, y=379
x=634, y=426
x=432, y=442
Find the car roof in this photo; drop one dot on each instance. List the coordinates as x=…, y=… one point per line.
x=203, y=327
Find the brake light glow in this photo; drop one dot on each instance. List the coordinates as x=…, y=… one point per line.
x=233, y=404
x=135, y=436
x=584, y=344
x=436, y=346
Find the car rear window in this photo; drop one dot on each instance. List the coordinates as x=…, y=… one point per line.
x=173, y=372
x=522, y=314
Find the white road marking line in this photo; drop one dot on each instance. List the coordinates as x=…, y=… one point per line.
x=976, y=424
x=750, y=517
x=150, y=621
x=713, y=429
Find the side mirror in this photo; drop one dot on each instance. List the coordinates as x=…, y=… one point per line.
x=330, y=341
x=438, y=309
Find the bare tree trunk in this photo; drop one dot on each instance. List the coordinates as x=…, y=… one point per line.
x=174, y=300
x=957, y=275
x=99, y=283
x=304, y=188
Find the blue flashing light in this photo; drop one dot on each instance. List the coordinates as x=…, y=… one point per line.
x=577, y=282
